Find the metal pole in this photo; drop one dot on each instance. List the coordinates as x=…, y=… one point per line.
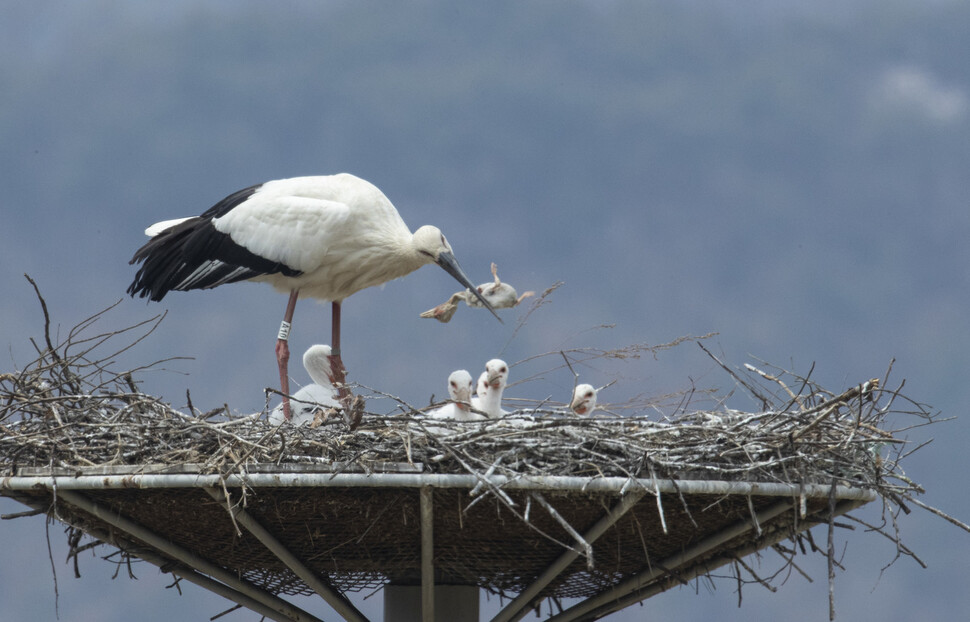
x=453, y=603
x=289, y=612
x=427, y=554
x=336, y=600
x=429, y=601
x=419, y=480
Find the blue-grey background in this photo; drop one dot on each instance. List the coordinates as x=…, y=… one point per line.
x=794, y=176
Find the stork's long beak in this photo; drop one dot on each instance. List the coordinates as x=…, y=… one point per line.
x=447, y=261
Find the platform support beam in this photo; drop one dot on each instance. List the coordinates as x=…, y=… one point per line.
x=638, y=583
x=519, y=607
x=635, y=596
x=165, y=565
x=285, y=610
x=336, y=600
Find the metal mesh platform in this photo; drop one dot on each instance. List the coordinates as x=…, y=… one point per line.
x=354, y=531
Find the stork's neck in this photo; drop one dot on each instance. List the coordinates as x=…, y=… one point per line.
x=492, y=400
x=319, y=372
x=407, y=257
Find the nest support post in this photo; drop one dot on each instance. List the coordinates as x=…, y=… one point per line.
x=429, y=601
x=402, y=603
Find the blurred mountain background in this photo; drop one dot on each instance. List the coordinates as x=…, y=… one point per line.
x=793, y=176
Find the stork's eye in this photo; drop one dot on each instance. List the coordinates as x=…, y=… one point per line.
x=589, y=394
x=424, y=252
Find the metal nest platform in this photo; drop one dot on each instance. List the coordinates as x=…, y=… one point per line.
x=611, y=541
x=537, y=507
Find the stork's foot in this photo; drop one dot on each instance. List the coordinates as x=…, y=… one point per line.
x=353, y=410
x=321, y=416
x=352, y=405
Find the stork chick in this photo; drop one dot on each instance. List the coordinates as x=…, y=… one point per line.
x=490, y=401
x=584, y=399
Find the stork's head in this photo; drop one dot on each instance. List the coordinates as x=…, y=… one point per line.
x=460, y=387
x=584, y=399
x=482, y=386
x=496, y=374
x=430, y=244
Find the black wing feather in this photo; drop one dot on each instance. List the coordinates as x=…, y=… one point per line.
x=226, y=205
x=194, y=255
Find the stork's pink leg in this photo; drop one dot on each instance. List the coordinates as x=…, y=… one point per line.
x=336, y=364
x=283, y=352
x=353, y=407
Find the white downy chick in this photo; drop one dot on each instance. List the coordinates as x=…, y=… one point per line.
x=460, y=392
x=321, y=394
x=489, y=400
x=584, y=399
x=481, y=386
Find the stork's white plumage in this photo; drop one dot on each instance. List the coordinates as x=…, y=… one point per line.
x=489, y=399
x=584, y=399
x=309, y=399
x=460, y=392
x=323, y=237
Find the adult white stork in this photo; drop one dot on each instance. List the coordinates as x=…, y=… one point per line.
x=319, y=394
x=489, y=398
x=323, y=237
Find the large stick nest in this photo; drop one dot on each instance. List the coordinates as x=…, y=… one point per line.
x=68, y=410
